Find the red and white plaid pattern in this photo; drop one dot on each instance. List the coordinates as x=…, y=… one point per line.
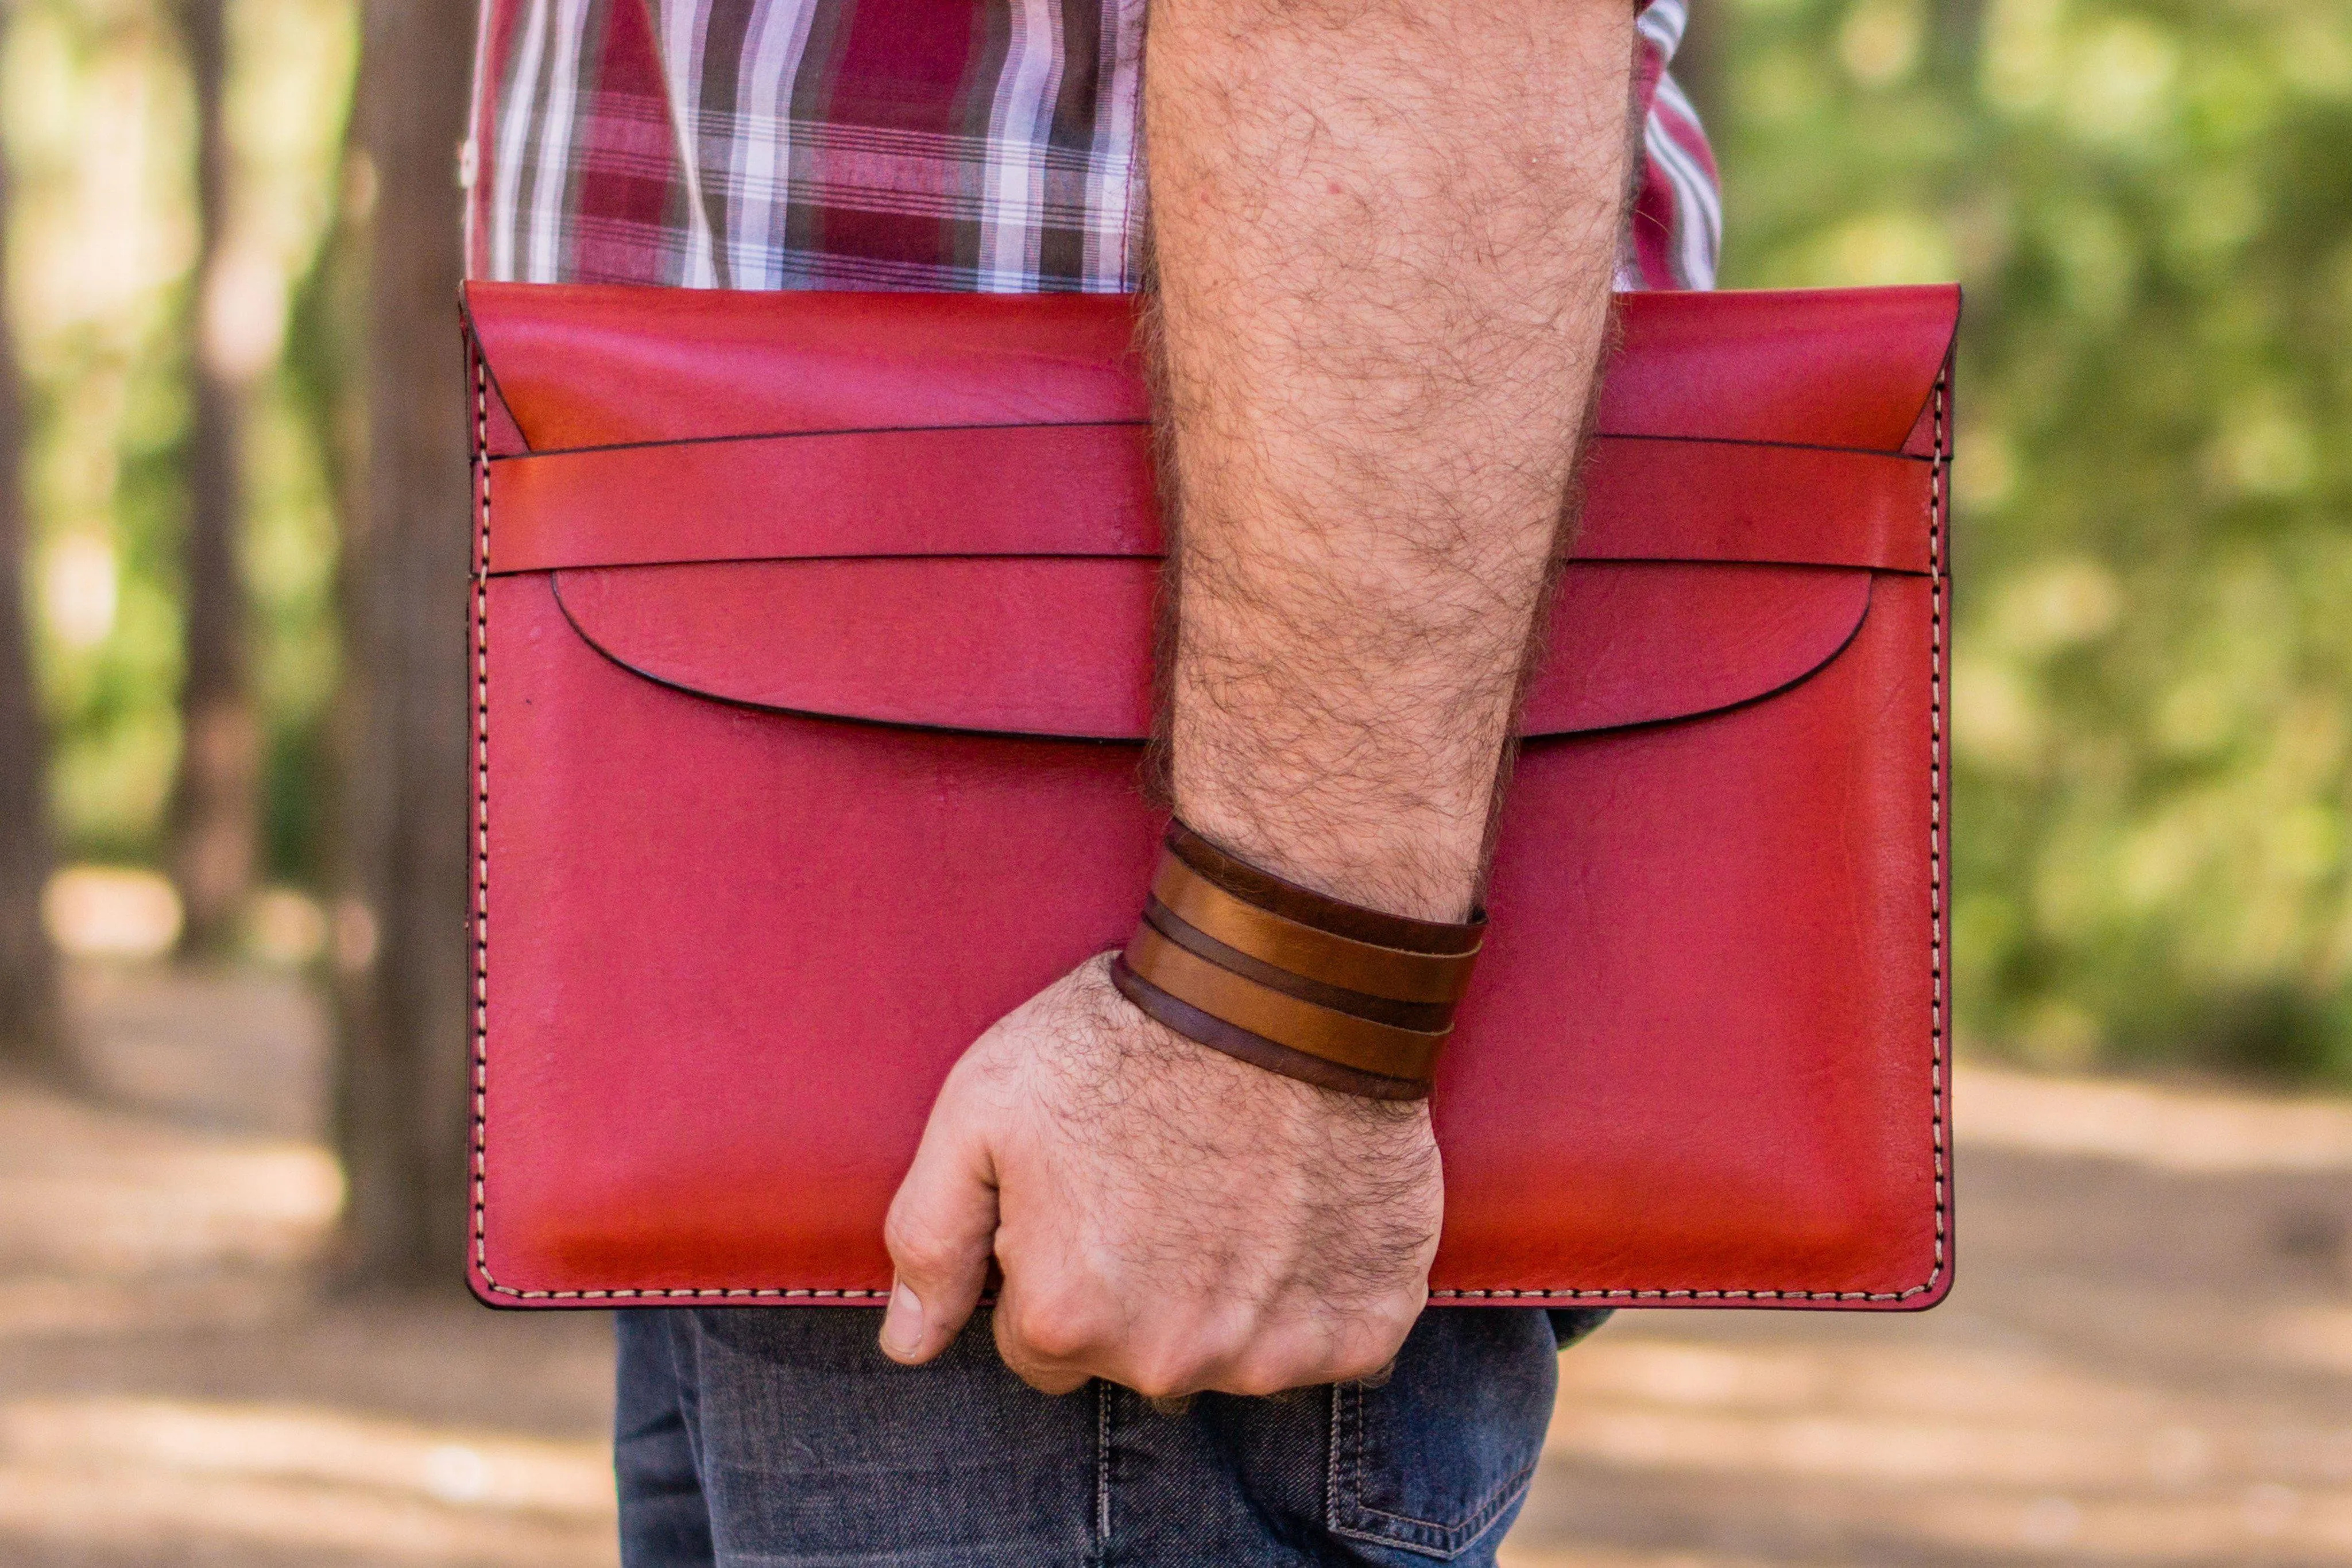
x=924, y=144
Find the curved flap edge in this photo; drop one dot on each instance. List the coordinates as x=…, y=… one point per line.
x=1061, y=648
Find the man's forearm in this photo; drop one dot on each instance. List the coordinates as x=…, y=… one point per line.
x=1384, y=233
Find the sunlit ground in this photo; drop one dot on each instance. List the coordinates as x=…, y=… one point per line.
x=2148, y=1359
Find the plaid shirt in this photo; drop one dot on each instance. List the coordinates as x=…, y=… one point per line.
x=921, y=145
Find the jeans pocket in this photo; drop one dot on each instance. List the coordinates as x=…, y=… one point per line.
x=1436, y=1459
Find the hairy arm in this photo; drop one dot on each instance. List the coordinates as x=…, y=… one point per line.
x=1383, y=232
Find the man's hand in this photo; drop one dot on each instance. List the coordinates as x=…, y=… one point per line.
x=1383, y=232
x=1166, y=1216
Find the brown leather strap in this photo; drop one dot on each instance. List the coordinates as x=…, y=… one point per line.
x=1327, y=1032
x=1427, y=1017
x=1259, y=1051
x=1291, y=979
x=1308, y=907
x=1399, y=974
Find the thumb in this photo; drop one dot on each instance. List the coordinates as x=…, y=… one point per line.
x=940, y=1233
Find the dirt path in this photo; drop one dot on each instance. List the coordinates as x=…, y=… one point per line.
x=2147, y=1360
x=2136, y=1367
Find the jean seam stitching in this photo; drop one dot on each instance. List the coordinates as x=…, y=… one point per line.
x=1456, y=1535
x=1474, y=1521
x=1102, y=1471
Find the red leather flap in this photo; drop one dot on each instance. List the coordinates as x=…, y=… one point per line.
x=1062, y=647
x=591, y=365
x=1087, y=489
x=1828, y=367
x=583, y=365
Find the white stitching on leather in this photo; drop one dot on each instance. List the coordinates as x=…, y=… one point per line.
x=481, y=1140
x=1938, y=1129
x=481, y=966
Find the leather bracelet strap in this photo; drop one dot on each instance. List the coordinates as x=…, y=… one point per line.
x=1318, y=1031
x=1258, y=1050
x=1426, y=1017
x=1308, y=907
x=1292, y=981
x=1399, y=974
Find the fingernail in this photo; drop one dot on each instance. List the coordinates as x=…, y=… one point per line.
x=902, y=1321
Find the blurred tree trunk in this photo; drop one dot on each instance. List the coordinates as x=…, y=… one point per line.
x=401, y=942
x=216, y=806
x=30, y=1033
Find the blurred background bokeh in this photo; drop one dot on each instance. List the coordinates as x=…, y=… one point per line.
x=2151, y=207
x=232, y=547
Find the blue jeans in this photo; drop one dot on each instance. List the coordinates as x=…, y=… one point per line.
x=753, y=1436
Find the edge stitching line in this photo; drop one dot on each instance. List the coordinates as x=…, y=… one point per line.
x=1938, y=1128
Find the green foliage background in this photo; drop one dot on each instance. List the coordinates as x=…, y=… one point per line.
x=2150, y=201
x=2151, y=206
x=97, y=120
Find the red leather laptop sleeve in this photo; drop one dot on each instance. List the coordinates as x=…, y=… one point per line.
x=811, y=635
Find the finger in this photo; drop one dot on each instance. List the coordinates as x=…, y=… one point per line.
x=941, y=1230
x=1316, y=1346
x=1167, y=1352
x=1051, y=1351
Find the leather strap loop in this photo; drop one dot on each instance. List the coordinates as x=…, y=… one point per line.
x=1398, y=974
x=1322, y=1031
x=1087, y=489
x=1305, y=906
x=1424, y=1016
x=1259, y=1051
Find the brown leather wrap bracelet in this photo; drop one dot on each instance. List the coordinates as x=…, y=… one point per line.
x=1291, y=980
